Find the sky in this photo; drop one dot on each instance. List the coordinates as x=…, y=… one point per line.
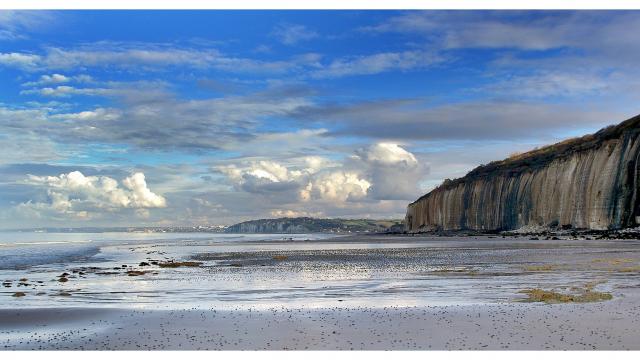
x=163, y=118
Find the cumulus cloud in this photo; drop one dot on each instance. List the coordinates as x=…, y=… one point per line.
x=269, y=178
x=53, y=79
x=81, y=196
x=140, y=195
x=387, y=154
x=394, y=172
x=382, y=171
x=338, y=186
x=263, y=177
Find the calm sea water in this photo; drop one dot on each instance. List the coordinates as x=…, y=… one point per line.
x=20, y=250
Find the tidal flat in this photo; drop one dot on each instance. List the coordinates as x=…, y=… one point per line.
x=224, y=291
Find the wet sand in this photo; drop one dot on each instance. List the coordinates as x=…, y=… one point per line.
x=361, y=292
x=612, y=325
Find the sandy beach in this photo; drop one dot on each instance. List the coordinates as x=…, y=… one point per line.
x=359, y=292
x=611, y=325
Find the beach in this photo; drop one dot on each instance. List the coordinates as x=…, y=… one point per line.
x=603, y=326
x=371, y=292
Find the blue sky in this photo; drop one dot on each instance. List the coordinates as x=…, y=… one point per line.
x=213, y=117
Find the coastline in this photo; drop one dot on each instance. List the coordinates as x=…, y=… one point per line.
x=360, y=292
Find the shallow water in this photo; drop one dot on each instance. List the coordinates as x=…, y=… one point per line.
x=302, y=270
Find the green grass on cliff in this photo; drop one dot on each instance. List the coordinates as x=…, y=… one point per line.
x=540, y=157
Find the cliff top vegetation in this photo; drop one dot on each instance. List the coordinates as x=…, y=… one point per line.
x=540, y=157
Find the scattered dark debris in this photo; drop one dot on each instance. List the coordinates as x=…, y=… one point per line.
x=135, y=272
x=175, y=264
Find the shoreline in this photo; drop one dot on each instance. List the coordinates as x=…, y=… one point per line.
x=372, y=293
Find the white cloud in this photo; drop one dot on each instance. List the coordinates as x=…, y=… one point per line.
x=98, y=114
x=19, y=60
x=88, y=56
x=148, y=57
x=382, y=171
x=141, y=196
x=292, y=34
x=394, y=172
x=338, y=186
x=80, y=196
x=606, y=33
x=377, y=63
x=263, y=177
x=55, y=79
x=279, y=213
x=67, y=91
x=387, y=154
x=14, y=24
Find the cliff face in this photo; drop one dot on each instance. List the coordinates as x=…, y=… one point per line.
x=589, y=183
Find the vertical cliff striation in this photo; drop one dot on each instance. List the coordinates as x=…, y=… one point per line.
x=589, y=183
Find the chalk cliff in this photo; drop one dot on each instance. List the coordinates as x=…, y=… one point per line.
x=588, y=183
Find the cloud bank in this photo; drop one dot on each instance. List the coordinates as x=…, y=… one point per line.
x=79, y=196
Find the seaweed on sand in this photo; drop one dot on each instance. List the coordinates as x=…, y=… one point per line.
x=545, y=267
x=553, y=297
x=175, y=264
x=136, y=272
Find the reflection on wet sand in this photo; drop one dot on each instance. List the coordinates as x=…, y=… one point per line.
x=362, y=270
x=400, y=292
